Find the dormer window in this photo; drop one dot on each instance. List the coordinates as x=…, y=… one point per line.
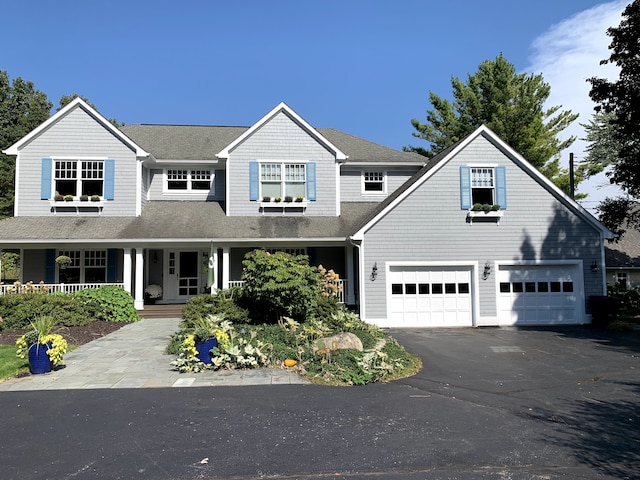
x=79, y=177
x=482, y=186
x=373, y=181
x=283, y=179
x=186, y=180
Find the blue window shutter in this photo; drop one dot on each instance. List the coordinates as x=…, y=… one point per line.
x=254, y=180
x=465, y=188
x=112, y=264
x=501, y=187
x=311, y=181
x=49, y=265
x=109, y=179
x=45, y=178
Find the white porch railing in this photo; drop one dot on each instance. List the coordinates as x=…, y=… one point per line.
x=342, y=287
x=50, y=287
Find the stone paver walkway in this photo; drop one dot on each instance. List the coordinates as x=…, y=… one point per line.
x=133, y=357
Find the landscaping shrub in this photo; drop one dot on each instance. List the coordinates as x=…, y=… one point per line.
x=219, y=304
x=109, y=303
x=279, y=284
x=630, y=305
x=19, y=310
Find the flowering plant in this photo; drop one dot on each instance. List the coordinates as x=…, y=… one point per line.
x=153, y=291
x=234, y=350
x=41, y=334
x=63, y=260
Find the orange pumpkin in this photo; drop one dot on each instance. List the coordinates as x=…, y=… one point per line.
x=289, y=362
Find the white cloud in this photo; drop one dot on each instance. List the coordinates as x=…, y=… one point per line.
x=566, y=55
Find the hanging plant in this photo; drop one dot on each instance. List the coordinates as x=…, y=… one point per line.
x=63, y=260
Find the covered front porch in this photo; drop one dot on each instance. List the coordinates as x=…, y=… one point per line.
x=177, y=272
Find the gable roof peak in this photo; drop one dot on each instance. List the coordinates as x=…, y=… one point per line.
x=72, y=105
x=283, y=108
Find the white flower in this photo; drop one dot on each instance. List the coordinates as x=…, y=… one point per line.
x=154, y=291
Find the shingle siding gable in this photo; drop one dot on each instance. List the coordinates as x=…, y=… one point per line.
x=536, y=226
x=76, y=135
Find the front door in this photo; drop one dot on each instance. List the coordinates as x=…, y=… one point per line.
x=182, y=274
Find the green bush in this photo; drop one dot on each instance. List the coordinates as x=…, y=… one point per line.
x=19, y=310
x=109, y=303
x=220, y=304
x=279, y=284
x=630, y=305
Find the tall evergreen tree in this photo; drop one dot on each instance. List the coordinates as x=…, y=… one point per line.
x=510, y=104
x=22, y=108
x=620, y=101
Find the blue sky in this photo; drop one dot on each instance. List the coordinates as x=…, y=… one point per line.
x=364, y=67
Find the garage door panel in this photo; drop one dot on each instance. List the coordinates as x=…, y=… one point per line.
x=430, y=296
x=538, y=295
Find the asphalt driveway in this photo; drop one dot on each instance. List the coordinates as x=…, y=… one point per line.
x=488, y=404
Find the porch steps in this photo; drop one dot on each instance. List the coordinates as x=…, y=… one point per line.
x=162, y=311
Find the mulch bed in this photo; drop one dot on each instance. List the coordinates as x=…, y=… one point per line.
x=73, y=335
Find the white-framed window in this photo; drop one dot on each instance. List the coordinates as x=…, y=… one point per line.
x=290, y=251
x=374, y=181
x=622, y=279
x=87, y=266
x=483, y=185
x=188, y=180
x=283, y=179
x=79, y=177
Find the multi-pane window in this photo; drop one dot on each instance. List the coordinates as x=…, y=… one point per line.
x=88, y=266
x=276, y=184
x=189, y=180
x=79, y=177
x=482, y=185
x=374, y=181
x=290, y=251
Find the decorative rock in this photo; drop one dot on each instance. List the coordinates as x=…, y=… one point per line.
x=339, y=341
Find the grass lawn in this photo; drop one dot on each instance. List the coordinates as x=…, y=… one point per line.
x=10, y=364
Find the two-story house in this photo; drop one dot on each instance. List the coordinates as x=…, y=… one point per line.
x=163, y=204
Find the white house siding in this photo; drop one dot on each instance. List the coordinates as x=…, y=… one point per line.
x=76, y=135
x=535, y=227
x=351, y=182
x=146, y=180
x=156, y=187
x=281, y=139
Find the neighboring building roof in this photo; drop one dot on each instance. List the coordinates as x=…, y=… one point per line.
x=164, y=221
x=625, y=253
x=193, y=142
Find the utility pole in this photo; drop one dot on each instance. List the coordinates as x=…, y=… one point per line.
x=572, y=187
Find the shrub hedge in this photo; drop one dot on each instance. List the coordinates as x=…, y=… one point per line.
x=108, y=303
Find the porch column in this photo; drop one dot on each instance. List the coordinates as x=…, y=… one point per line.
x=351, y=297
x=139, y=280
x=225, y=268
x=126, y=270
x=214, y=285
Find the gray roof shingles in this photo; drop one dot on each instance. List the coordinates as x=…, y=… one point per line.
x=194, y=142
x=176, y=220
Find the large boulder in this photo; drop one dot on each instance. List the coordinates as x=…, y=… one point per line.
x=337, y=342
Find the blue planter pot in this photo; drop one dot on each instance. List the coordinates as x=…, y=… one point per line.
x=39, y=361
x=203, y=349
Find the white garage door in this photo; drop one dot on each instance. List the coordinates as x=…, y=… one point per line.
x=539, y=295
x=429, y=297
